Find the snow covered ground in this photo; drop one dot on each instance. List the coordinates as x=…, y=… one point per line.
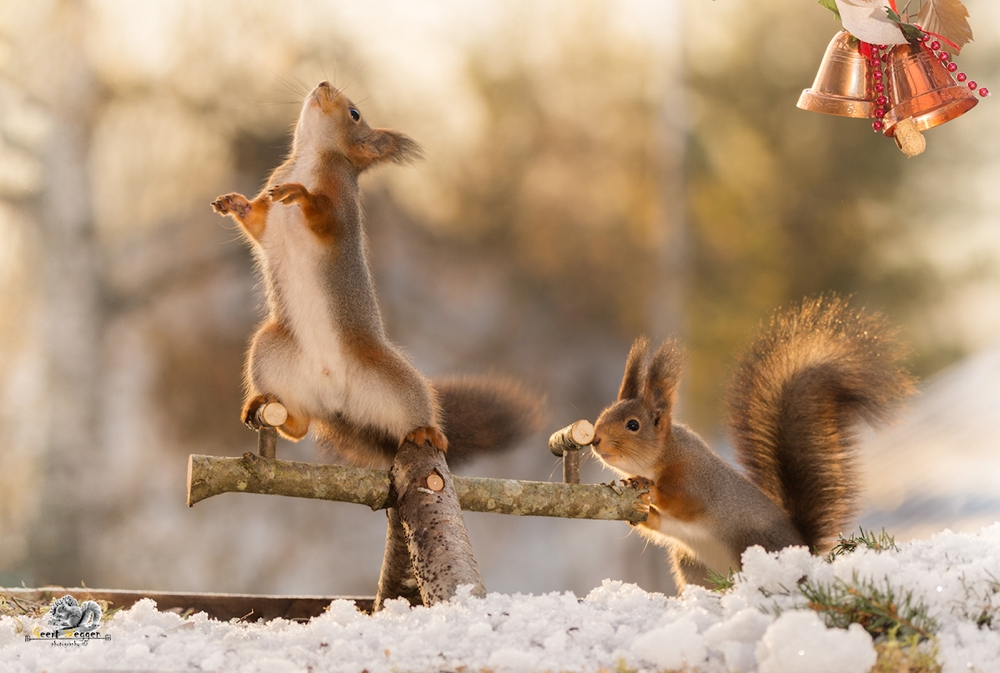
x=762, y=623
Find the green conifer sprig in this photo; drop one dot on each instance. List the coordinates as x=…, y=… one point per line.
x=866, y=539
x=876, y=607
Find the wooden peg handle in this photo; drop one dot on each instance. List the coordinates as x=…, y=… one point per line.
x=271, y=415
x=572, y=438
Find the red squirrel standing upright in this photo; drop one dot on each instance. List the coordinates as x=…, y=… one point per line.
x=322, y=351
x=797, y=391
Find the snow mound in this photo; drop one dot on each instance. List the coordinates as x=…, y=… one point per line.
x=763, y=623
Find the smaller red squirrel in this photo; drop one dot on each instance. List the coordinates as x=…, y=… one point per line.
x=322, y=351
x=798, y=390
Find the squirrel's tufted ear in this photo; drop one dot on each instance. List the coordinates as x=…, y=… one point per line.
x=632, y=383
x=662, y=379
x=383, y=145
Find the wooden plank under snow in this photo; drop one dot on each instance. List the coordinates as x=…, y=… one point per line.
x=223, y=607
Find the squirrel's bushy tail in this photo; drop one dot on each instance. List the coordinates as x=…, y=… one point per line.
x=798, y=391
x=483, y=415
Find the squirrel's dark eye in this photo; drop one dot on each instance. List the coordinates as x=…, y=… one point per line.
x=632, y=425
x=355, y=115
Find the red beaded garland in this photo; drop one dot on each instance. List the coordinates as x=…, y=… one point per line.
x=942, y=57
x=877, y=125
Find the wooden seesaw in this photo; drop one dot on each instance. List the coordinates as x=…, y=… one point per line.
x=428, y=555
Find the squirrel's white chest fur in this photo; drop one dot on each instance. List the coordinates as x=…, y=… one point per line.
x=314, y=376
x=698, y=538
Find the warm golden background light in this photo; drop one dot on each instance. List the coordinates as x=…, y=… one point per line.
x=594, y=170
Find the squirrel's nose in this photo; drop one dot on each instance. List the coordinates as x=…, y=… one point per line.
x=323, y=85
x=595, y=441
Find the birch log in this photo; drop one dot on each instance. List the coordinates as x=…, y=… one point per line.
x=440, y=549
x=396, y=579
x=212, y=475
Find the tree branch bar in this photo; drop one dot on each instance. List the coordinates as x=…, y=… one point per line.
x=213, y=475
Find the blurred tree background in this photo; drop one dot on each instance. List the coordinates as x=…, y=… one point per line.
x=596, y=170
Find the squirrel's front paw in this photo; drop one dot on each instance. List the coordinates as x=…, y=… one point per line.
x=646, y=498
x=288, y=193
x=235, y=204
x=430, y=435
x=639, y=483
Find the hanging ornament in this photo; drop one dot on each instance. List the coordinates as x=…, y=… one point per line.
x=899, y=74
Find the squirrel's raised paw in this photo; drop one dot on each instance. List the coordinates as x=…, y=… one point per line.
x=288, y=193
x=429, y=435
x=234, y=204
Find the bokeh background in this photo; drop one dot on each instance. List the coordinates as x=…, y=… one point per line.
x=596, y=169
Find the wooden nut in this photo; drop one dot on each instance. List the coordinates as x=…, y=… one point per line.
x=272, y=414
x=435, y=482
x=908, y=138
x=572, y=438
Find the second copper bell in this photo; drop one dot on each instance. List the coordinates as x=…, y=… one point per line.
x=922, y=89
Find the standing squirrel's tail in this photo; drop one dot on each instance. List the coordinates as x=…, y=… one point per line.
x=797, y=393
x=483, y=415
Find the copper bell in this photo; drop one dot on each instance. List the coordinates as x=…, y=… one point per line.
x=844, y=85
x=921, y=88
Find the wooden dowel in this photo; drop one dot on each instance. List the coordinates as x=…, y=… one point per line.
x=567, y=443
x=572, y=438
x=571, y=467
x=267, y=442
x=269, y=416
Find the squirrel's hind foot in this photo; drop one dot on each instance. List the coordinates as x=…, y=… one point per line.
x=294, y=428
x=249, y=415
x=429, y=435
